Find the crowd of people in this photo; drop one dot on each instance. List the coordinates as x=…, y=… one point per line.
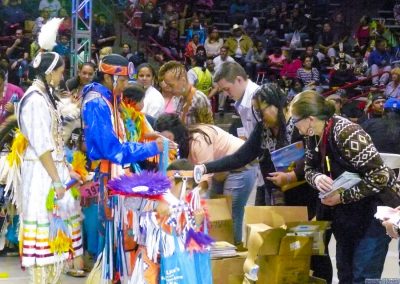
x=126, y=115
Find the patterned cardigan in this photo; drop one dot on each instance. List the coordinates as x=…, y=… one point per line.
x=355, y=148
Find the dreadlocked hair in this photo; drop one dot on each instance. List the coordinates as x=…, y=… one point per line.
x=272, y=94
x=46, y=59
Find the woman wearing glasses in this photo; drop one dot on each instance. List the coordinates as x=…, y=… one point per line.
x=274, y=130
x=335, y=145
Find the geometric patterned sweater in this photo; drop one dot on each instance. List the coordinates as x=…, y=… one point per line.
x=351, y=149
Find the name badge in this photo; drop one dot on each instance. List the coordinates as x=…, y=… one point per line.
x=90, y=189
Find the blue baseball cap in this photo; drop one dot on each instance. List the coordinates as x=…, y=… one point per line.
x=392, y=104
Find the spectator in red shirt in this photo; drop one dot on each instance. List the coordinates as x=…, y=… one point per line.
x=290, y=67
x=362, y=35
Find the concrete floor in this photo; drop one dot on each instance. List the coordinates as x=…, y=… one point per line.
x=17, y=276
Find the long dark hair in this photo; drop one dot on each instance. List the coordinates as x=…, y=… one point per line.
x=272, y=94
x=182, y=134
x=46, y=59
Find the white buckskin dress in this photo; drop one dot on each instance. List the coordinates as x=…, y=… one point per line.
x=40, y=123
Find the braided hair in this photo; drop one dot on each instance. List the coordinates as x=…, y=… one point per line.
x=272, y=94
x=46, y=60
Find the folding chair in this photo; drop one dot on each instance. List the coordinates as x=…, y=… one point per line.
x=392, y=161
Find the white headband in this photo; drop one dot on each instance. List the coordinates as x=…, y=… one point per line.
x=53, y=64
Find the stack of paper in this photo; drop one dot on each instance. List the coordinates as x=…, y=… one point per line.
x=385, y=213
x=345, y=181
x=223, y=249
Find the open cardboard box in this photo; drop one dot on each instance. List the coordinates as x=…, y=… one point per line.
x=274, y=222
x=268, y=220
x=283, y=258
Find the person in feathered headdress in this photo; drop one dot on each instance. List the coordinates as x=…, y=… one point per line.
x=48, y=235
x=104, y=131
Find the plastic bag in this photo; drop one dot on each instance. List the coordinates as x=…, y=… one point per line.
x=296, y=40
x=202, y=264
x=177, y=268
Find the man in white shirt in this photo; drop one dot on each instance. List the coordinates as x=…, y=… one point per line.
x=222, y=57
x=232, y=80
x=53, y=5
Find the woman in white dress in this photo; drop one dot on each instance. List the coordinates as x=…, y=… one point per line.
x=44, y=167
x=154, y=103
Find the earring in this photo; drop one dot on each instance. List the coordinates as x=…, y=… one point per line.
x=310, y=131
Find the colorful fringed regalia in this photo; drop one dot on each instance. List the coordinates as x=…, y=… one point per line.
x=163, y=227
x=138, y=129
x=135, y=122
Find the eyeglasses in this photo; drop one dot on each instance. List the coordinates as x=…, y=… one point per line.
x=298, y=119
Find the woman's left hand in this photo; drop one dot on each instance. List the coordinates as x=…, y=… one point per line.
x=332, y=200
x=278, y=178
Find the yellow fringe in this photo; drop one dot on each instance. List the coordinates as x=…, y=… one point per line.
x=18, y=147
x=79, y=164
x=61, y=243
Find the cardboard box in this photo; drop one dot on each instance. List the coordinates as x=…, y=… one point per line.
x=314, y=229
x=290, y=266
x=281, y=258
x=269, y=220
x=221, y=223
x=228, y=270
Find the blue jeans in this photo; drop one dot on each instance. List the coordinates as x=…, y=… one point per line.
x=358, y=259
x=238, y=185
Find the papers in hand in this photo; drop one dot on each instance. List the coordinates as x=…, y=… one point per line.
x=285, y=160
x=385, y=213
x=345, y=181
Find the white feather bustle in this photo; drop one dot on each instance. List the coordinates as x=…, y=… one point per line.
x=48, y=34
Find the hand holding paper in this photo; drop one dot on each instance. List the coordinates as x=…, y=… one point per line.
x=390, y=218
x=345, y=181
x=324, y=183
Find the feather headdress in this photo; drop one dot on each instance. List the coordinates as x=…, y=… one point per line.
x=48, y=34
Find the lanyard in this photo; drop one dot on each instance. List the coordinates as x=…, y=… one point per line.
x=324, y=157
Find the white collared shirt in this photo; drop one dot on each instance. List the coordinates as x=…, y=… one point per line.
x=244, y=108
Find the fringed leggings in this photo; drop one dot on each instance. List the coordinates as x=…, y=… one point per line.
x=48, y=274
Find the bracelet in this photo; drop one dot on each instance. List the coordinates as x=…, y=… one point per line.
x=57, y=184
